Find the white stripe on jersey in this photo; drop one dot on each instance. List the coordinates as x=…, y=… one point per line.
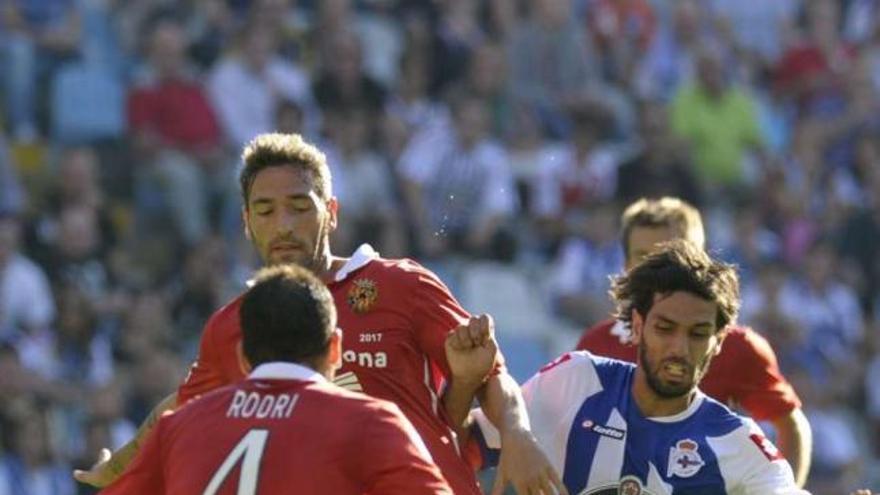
x=609, y=454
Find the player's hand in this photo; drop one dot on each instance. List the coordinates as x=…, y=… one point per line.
x=863, y=491
x=524, y=465
x=101, y=474
x=471, y=350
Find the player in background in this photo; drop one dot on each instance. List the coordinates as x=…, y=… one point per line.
x=397, y=317
x=286, y=426
x=745, y=373
x=612, y=427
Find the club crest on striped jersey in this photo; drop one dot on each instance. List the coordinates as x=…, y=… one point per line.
x=684, y=459
x=363, y=295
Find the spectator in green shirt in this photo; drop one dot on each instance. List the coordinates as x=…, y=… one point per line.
x=718, y=121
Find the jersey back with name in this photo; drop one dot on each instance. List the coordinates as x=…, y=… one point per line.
x=266, y=436
x=583, y=415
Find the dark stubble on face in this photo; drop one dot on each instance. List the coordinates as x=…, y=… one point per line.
x=663, y=390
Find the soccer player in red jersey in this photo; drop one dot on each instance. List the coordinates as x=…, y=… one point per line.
x=745, y=373
x=397, y=318
x=285, y=427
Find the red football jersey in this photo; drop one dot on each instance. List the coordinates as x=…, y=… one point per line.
x=283, y=430
x=394, y=316
x=744, y=374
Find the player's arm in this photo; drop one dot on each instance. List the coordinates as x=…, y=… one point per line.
x=472, y=354
x=111, y=466
x=204, y=375
x=398, y=461
x=145, y=474
x=477, y=366
x=766, y=395
x=795, y=439
x=552, y=398
x=522, y=462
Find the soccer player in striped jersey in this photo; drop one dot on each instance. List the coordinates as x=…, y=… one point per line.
x=611, y=427
x=745, y=373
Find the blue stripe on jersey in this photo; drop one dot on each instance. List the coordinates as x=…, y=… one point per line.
x=595, y=411
x=647, y=442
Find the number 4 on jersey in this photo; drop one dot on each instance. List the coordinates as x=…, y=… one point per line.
x=250, y=447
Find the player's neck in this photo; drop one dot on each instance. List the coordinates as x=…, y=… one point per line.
x=328, y=266
x=651, y=404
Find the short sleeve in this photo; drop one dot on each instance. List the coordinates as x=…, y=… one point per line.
x=398, y=461
x=146, y=473
x=755, y=466
x=435, y=313
x=760, y=387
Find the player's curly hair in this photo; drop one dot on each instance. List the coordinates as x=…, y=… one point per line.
x=677, y=266
x=277, y=149
x=286, y=315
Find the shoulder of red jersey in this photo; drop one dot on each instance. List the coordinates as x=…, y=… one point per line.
x=341, y=402
x=602, y=328
x=743, y=338
x=397, y=271
x=226, y=318
x=404, y=266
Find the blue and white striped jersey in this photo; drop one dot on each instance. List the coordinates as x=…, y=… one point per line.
x=584, y=417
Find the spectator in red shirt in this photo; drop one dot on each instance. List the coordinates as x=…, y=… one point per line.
x=745, y=373
x=814, y=69
x=176, y=134
x=400, y=320
x=286, y=424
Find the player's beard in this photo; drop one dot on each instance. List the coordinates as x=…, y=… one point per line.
x=311, y=259
x=664, y=389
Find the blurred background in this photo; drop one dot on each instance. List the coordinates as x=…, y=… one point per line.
x=496, y=141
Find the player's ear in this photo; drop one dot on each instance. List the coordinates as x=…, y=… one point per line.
x=720, y=335
x=637, y=325
x=246, y=223
x=334, y=350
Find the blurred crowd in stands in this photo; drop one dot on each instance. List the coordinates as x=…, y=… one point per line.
x=496, y=141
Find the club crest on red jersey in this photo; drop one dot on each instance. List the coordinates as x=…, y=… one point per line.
x=684, y=460
x=362, y=296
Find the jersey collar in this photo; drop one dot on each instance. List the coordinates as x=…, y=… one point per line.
x=699, y=397
x=363, y=255
x=285, y=371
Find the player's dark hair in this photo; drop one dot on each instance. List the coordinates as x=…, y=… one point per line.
x=276, y=150
x=669, y=212
x=677, y=266
x=286, y=315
